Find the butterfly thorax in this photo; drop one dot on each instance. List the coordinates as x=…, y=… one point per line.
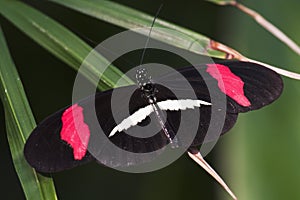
x=146, y=85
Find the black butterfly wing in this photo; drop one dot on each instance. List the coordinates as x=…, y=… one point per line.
x=56, y=144
x=262, y=85
x=46, y=151
x=258, y=84
x=257, y=87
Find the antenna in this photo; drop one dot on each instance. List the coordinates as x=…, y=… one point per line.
x=147, y=41
x=148, y=90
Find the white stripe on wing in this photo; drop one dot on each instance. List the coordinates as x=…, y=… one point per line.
x=142, y=113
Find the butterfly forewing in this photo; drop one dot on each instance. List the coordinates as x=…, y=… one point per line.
x=257, y=84
x=46, y=151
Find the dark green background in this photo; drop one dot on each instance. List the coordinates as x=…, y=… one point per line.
x=258, y=159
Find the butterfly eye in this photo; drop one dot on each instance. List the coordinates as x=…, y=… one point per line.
x=148, y=88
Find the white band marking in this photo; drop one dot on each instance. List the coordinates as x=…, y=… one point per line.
x=142, y=113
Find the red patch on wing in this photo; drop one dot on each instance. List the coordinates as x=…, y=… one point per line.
x=75, y=131
x=229, y=83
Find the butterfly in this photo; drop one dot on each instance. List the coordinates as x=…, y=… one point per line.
x=62, y=140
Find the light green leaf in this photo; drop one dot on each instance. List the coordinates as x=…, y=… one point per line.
x=60, y=41
x=130, y=19
x=19, y=124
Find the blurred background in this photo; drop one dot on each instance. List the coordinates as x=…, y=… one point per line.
x=259, y=158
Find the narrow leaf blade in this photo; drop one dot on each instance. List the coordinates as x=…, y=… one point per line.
x=129, y=18
x=60, y=41
x=19, y=123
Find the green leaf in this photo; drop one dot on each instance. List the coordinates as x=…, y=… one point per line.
x=60, y=41
x=130, y=19
x=19, y=124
